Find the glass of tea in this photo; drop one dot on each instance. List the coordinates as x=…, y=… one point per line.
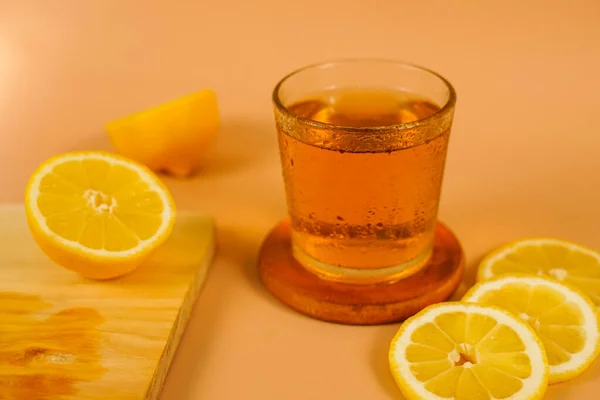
x=363, y=147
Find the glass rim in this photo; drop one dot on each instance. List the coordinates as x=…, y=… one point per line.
x=444, y=109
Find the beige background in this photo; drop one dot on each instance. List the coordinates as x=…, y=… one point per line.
x=523, y=156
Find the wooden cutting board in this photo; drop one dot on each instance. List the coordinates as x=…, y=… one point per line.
x=65, y=337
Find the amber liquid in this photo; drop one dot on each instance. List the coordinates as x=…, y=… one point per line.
x=363, y=216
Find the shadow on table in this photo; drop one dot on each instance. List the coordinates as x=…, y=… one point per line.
x=586, y=383
x=241, y=143
x=198, y=338
x=379, y=360
x=242, y=247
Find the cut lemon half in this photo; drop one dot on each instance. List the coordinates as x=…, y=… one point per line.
x=174, y=137
x=574, y=264
x=564, y=319
x=465, y=351
x=97, y=213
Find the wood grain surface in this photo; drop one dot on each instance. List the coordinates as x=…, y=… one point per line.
x=65, y=337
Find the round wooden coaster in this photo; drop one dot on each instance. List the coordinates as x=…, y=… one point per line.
x=359, y=304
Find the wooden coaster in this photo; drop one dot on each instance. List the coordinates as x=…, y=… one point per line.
x=359, y=304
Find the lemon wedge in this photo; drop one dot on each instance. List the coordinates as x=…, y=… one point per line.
x=174, y=137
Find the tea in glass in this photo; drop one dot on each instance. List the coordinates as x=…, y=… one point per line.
x=363, y=166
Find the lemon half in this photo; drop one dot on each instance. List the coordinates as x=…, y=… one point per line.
x=97, y=213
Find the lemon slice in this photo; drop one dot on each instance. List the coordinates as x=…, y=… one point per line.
x=97, y=213
x=564, y=319
x=465, y=351
x=174, y=137
x=569, y=262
